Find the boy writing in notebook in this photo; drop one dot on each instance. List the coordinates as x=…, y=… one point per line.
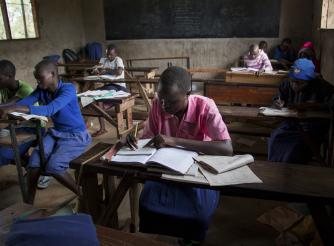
x=291, y=141
x=194, y=123
x=11, y=90
x=67, y=139
x=113, y=66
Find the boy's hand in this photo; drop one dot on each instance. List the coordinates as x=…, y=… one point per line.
x=130, y=141
x=258, y=73
x=160, y=141
x=278, y=103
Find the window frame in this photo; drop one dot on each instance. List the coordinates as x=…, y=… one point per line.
x=327, y=15
x=3, y=6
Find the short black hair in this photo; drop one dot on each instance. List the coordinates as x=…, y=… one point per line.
x=253, y=47
x=47, y=65
x=263, y=43
x=111, y=47
x=176, y=76
x=7, y=68
x=287, y=40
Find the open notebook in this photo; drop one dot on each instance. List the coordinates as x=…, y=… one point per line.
x=29, y=116
x=161, y=160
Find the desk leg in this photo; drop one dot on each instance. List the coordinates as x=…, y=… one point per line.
x=116, y=200
x=110, y=185
x=134, y=206
x=323, y=223
x=91, y=195
x=18, y=163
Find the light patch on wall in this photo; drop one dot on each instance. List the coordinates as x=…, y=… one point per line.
x=327, y=14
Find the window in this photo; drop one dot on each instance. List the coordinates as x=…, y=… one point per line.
x=18, y=19
x=327, y=14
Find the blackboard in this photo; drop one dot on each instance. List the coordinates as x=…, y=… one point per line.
x=154, y=19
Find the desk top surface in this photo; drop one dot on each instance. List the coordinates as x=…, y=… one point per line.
x=290, y=182
x=253, y=113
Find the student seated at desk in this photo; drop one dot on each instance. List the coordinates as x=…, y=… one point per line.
x=284, y=54
x=113, y=66
x=308, y=51
x=263, y=45
x=192, y=122
x=11, y=91
x=68, y=138
x=290, y=142
x=257, y=59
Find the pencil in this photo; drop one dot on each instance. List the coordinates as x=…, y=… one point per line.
x=136, y=130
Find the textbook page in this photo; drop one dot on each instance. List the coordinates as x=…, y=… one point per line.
x=284, y=112
x=178, y=160
x=241, y=175
x=29, y=116
x=220, y=164
x=198, y=179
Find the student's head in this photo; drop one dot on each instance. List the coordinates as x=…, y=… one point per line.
x=263, y=45
x=286, y=44
x=301, y=73
x=254, y=51
x=7, y=73
x=173, y=90
x=111, y=52
x=46, y=74
x=306, y=53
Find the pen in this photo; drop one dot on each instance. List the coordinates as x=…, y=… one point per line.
x=136, y=130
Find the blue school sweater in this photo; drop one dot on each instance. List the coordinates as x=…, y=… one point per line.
x=62, y=107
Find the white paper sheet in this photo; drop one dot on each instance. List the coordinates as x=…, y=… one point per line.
x=220, y=164
x=176, y=159
x=29, y=116
x=241, y=175
x=284, y=112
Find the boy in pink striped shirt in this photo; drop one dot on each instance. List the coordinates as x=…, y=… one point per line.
x=257, y=59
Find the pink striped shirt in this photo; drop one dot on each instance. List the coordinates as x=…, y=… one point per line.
x=202, y=121
x=260, y=62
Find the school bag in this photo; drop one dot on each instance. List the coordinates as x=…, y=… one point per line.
x=94, y=51
x=69, y=56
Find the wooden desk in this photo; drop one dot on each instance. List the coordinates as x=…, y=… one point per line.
x=15, y=140
x=122, y=107
x=240, y=93
x=281, y=182
x=252, y=113
x=267, y=79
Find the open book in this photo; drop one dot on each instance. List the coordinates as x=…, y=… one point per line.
x=164, y=159
x=28, y=116
x=284, y=112
x=219, y=164
x=101, y=77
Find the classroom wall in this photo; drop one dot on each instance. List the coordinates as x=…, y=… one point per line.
x=203, y=52
x=324, y=41
x=61, y=26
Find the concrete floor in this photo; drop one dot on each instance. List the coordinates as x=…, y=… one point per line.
x=234, y=222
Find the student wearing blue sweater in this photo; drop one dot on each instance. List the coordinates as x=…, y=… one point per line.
x=68, y=138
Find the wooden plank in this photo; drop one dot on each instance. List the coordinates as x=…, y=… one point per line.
x=111, y=237
x=96, y=151
x=21, y=138
x=240, y=94
x=273, y=79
